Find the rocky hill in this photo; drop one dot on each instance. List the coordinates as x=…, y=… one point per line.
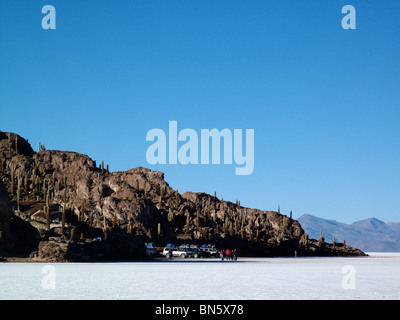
x=63, y=206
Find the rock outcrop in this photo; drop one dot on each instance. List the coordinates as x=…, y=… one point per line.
x=83, y=212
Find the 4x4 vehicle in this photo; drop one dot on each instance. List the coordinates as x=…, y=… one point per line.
x=198, y=252
x=193, y=251
x=211, y=250
x=151, y=250
x=172, y=251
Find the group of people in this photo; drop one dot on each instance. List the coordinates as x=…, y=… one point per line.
x=228, y=254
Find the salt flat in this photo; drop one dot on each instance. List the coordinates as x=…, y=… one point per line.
x=373, y=277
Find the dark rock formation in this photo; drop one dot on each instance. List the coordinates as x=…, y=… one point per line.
x=17, y=237
x=6, y=212
x=125, y=209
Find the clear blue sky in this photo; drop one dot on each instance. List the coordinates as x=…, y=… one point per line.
x=324, y=102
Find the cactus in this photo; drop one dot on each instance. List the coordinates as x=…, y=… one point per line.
x=224, y=227
x=44, y=189
x=187, y=224
x=170, y=215
x=47, y=212
x=26, y=185
x=231, y=233
x=104, y=223
x=321, y=237
x=279, y=209
x=90, y=220
x=18, y=194
x=12, y=176
x=284, y=225
x=63, y=219
x=9, y=147
x=114, y=220
x=71, y=238
x=198, y=218
x=82, y=211
x=129, y=228
x=303, y=241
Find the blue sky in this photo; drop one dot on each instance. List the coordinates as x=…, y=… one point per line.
x=323, y=101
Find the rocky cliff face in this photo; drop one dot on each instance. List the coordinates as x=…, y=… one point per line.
x=71, y=200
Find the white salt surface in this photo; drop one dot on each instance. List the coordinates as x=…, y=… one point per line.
x=373, y=277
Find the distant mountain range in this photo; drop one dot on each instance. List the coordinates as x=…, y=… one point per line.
x=369, y=235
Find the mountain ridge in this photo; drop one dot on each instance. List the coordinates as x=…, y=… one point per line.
x=370, y=234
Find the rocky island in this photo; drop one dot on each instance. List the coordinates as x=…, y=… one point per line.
x=62, y=206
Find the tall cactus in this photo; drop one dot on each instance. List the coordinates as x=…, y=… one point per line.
x=321, y=237
x=18, y=193
x=129, y=227
x=12, y=176
x=63, y=219
x=47, y=212
x=170, y=215
x=82, y=212
x=198, y=218
x=114, y=220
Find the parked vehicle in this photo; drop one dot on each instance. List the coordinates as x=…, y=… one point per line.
x=199, y=253
x=151, y=250
x=211, y=250
x=172, y=251
x=190, y=253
